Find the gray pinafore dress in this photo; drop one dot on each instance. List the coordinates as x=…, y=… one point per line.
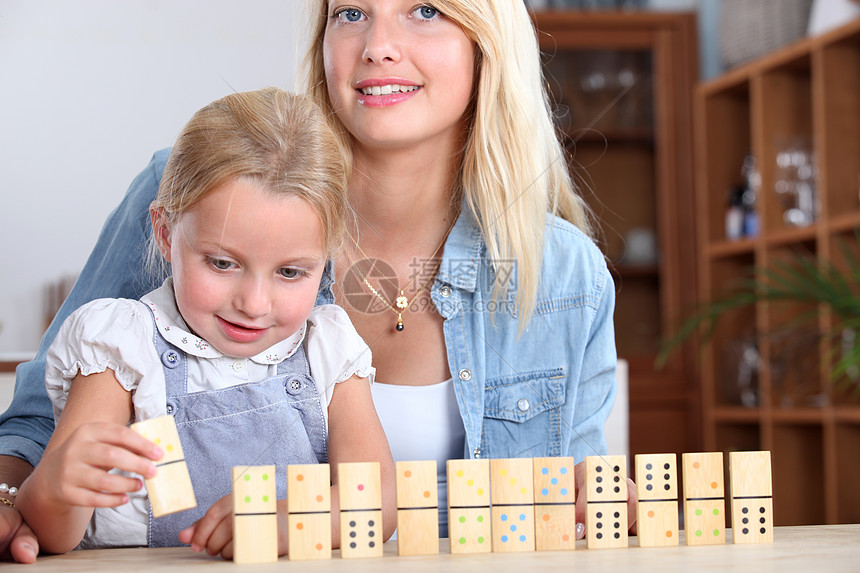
x=276, y=421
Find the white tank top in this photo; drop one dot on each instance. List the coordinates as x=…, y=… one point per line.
x=423, y=423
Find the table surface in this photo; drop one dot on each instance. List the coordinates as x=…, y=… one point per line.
x=831, y=548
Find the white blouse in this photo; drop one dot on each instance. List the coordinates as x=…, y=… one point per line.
x=118, y=334
x=423, y=423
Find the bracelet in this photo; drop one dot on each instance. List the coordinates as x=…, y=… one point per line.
x=11, y=490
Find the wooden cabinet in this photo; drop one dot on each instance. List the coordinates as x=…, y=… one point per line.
x=797, y=109
x=623, y=85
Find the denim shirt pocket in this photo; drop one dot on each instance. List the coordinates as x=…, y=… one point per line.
x=522, y=414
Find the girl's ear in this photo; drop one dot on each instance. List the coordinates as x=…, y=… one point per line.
x=161, y=231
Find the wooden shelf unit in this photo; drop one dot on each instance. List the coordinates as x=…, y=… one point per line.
x=808, y=90
x=623, y=84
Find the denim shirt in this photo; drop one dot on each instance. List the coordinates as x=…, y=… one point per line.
x=544, y=392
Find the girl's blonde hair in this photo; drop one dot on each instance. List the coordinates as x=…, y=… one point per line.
x=514, y=168
x=278, y=140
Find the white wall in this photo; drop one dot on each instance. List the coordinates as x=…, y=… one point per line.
x=88, y=90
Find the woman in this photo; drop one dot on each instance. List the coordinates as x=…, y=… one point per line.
x=505, y=346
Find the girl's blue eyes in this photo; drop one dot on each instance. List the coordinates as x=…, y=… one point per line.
x=355, y=15
x=291, y=273
x=220, y=264
x=286, y=272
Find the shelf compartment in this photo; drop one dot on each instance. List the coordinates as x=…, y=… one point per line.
x=798, y=474
x=726, y=118
x=784, y=145
x=735, y=341
x=843, y=257
x=847, y=470
x=840, y=130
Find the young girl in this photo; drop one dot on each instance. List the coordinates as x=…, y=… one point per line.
x=251, y=206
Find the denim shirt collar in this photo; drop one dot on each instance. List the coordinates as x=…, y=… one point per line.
x=461, y=258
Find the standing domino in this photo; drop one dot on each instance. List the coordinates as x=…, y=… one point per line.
x=360, y=492
x=606, y=501
x=555, y=509
x=752, y=497
x=170, y=490
x=469, y=505
x=657, y=489
x=704, y=498
x=309, y=511
x=513, y=510
x=255, y=518
x=417, y=508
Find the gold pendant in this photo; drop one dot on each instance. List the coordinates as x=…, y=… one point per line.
x=401, y=301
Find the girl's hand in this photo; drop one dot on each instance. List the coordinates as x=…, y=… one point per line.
x=214, y=531
x=579, y=476
x=76, y=473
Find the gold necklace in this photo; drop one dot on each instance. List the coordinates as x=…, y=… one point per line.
x=401, y=303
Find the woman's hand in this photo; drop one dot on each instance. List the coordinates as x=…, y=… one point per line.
x=17, y=541
x=213, y=532
x=579, y=476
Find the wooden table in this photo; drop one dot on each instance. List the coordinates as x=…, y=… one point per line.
x=829, y=548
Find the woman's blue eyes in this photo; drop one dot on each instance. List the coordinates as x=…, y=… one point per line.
x=355, y=15
x=426, y=12
x=350, y=14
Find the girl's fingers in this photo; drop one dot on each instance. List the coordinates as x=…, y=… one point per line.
x=579, y=478
x=108, y=456
x=206, y=526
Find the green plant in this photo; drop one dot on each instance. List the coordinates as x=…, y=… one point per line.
x=804, y=280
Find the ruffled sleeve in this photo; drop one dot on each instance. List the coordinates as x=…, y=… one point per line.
x=335, y=350
x=107, y=333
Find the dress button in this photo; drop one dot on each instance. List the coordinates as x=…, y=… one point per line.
x=445, y=291
x=170, y=358
x=465, y=374
x=239, y=366
x=523, y=405
x=293, y=386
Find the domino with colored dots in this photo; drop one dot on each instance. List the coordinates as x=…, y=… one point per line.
x=606, y=501
x=555, y=504
x=469, y=506
x=657, y=509
x=309, y=511
x=417, y=508
x=751, y=497
x=513, y=511
x=704, y=498
x=170, y=490
x=255, y=518
x=360, y=491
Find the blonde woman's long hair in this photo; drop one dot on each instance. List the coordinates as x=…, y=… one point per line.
x=280, y=141
x=514, y=169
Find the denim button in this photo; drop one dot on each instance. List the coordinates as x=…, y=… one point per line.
x=170, y=358
x=523, y=405
x=465, y=374
x=445, y=291
x=477, y=453
x=170, y=408
x=294, y=386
